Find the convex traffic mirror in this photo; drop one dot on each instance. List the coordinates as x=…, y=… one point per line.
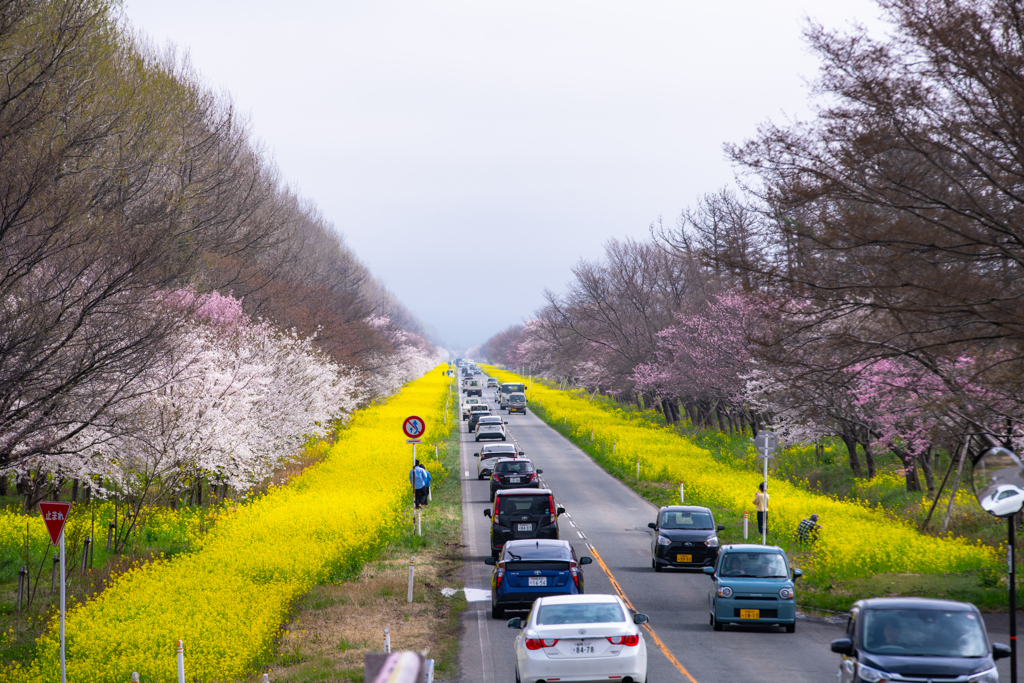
x=997, y=476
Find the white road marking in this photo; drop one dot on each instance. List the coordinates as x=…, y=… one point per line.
x=580, y=534
x=467, y=473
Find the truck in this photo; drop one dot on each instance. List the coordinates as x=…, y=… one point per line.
x=507, y=388
x=472, y=387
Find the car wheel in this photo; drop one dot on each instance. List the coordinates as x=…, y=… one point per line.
x=518, y=680
x=481, y=477
x=497, y=612
x=791, y=628
x=716, y=624
x=478, y=439
x=492, y=496
x=657, y=567
x=502, y=438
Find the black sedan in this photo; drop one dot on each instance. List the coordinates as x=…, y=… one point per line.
x=684, y=536
x=515, y=473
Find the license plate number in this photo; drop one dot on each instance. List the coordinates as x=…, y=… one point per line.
x=750, y=614
x=524, y=527
x=538, y=580
x=583, y=649
x=513, y=480
x=684, y=558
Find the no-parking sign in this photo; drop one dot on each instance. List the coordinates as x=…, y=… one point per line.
x=414, y=428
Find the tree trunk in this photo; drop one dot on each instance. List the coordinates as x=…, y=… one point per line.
x=676, y=416
x=909, y=469
x=74, y=490
x=851, y=447
x=869, y=455
x=926, y=466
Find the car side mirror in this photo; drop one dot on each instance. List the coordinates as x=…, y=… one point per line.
x=515, y=622
x=476, y=455
x=487, y=512
x=560, y=511
x=506, y=421
x=721, y=527
x=640, y=618
x=844, y=646
x=522, y=452
x=652, y=525
x=490, y=561
x=540, y=471
x=710, y=571
x=999, y=651
x=797, y=573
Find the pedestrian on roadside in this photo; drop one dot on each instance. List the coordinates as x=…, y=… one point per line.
x=426, y=473
x=761, y=505
x=418, y=480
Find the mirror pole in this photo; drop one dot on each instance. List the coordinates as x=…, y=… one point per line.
x=1013, y=598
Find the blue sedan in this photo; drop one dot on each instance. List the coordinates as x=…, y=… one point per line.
x=753, y=585
x=529, y=569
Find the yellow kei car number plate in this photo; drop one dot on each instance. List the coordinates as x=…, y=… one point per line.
x=750, y=614
x=684, y=558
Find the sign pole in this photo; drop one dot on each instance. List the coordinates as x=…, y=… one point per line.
x=764, y=527
x=63, y=574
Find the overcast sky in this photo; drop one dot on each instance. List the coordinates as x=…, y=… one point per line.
x=472, y=152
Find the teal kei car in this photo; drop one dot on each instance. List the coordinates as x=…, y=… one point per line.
x=753, y=585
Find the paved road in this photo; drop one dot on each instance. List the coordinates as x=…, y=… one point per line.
x=607, y=520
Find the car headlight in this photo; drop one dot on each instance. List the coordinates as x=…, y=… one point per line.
x=870, y=675
x=990, y=676
x=724, y=592
x=662, y=540
x=712, y=542
x=786, y=593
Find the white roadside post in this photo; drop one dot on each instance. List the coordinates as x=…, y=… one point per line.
x=181, y=661
x=412, y=569
x=765, y=442
x=55, y=515
x=682, y=500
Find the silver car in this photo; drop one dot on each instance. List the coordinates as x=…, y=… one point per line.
x=490, y=454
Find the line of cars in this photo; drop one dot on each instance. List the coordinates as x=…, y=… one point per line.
x=568, y=635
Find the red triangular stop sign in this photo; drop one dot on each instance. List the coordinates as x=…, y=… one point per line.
x=54, y=515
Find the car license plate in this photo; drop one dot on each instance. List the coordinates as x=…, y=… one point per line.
x=513, y=480
x=583, y=649
x=684, y=558
x=538, y=580
x=524, y=527
x=750, y=614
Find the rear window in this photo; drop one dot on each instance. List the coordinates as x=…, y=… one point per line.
x=530, y=551
x=524, y=505
x=581, y=613
x=686, y=520
x=480, y=409
x=495, y=420
x=923, y=633
x=495, y=451
x=521, y=466
x=517, y=398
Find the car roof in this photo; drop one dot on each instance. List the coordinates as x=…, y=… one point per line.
x=584, y=598
x=752, y=548
x=522, y=492
x=915, y=603
x=520, y=459
x=543, y=542
x=684, y=508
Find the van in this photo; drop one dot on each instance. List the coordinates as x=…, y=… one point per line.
x=516, y=403
x=472, y=387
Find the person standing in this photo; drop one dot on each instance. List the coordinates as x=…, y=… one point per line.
x=418, y=480
x=426, y=493
x=761, y=505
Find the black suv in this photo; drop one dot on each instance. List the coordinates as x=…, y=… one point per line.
x=474, y=417
x=522, y=514
x=917, y=639
x=684, y=536
x=514, y=473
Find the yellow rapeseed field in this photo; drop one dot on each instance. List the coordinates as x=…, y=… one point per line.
x=856, y=541
x=227, y=598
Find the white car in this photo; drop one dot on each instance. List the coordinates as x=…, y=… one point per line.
x=466, y=403
x=580, y=638
x=490, y=454
x=1004, y=501
x=490, y=427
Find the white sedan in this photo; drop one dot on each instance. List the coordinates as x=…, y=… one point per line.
x=467, y=402
x=490, y=454
x=1004, y=501
x=490, y=427
x=580, y=638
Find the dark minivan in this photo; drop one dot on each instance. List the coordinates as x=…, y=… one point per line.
x=684, y=536
x=522, y=513
x=917, y=639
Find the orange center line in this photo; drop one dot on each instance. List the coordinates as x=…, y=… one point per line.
x=618, y=589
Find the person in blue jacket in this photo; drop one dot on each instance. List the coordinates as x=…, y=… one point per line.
x=419, y=478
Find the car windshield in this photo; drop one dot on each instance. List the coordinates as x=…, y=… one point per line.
x=536, y=551
x=755, y=565
x=686, y=520
x=580, y=613
x=520, y=466
x=524, y=505
x=512, y=388
x=923, y=633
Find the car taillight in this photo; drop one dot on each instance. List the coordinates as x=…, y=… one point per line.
x=538, y=643
x=551, y=502
x=630, y=641
x=533, y=477
x=575, y=574
x=499, y=575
